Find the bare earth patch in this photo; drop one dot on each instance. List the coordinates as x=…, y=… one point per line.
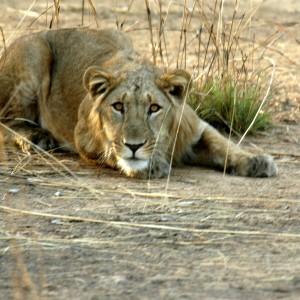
x=72, y=231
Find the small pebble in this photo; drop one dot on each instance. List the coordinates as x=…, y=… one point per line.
x=14, y=191
x=55, y=221
x=185, y=203
x=163, y=219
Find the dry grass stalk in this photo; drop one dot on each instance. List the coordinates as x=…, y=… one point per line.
x=262, y=102
x=93, y=11
x=4, y=46
x=23, y=285
x=217, y=53
x=11, y=36
x=151, y=31
x=42, y=151
x=55, y=15
x=149, y=226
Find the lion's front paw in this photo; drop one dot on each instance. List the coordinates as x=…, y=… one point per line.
x=158, y=169
x=261, y=166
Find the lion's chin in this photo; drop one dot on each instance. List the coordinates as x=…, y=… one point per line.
x=133, y=167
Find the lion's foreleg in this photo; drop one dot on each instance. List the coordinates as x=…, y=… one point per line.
x=212, y=149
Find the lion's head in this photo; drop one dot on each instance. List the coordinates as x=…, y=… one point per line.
x=128, y=119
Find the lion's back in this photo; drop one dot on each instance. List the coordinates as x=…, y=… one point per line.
x=41, y=74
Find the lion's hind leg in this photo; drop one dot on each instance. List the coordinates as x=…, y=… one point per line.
x=24, y=81
x=25, y=136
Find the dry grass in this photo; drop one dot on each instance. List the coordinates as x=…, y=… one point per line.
x=10, y=210
x=211, y=225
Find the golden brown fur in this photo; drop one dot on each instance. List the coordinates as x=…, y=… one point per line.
x=89, y=92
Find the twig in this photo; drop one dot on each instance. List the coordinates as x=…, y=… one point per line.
x=19, y=24
x=151, y=31
x=149, y=226
x=262, y=102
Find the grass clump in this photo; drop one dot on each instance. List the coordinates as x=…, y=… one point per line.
x=225, y=103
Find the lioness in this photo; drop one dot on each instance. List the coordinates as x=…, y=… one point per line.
x=88, y=91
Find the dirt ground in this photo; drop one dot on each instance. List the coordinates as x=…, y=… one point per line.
x=73, y=231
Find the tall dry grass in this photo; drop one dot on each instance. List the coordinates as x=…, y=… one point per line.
x=232, y=74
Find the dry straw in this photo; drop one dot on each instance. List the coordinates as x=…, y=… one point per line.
x=150, y=226
x=222, y=48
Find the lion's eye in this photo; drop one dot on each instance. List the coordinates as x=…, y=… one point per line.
x=154, y=108
x=118, y=106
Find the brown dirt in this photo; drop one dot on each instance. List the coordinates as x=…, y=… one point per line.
x=72, y=231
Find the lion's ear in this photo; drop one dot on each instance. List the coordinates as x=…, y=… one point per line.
x=97, y=82
x=176, y=83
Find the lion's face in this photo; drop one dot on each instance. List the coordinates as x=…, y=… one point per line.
x=133, y=118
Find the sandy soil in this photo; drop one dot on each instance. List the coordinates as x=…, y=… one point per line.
x=72, y=231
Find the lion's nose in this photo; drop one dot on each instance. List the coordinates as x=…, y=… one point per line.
x=134, y=147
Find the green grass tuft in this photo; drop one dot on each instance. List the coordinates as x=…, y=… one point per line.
x=222, y=102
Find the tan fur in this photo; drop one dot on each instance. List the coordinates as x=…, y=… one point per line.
x=88, y=91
